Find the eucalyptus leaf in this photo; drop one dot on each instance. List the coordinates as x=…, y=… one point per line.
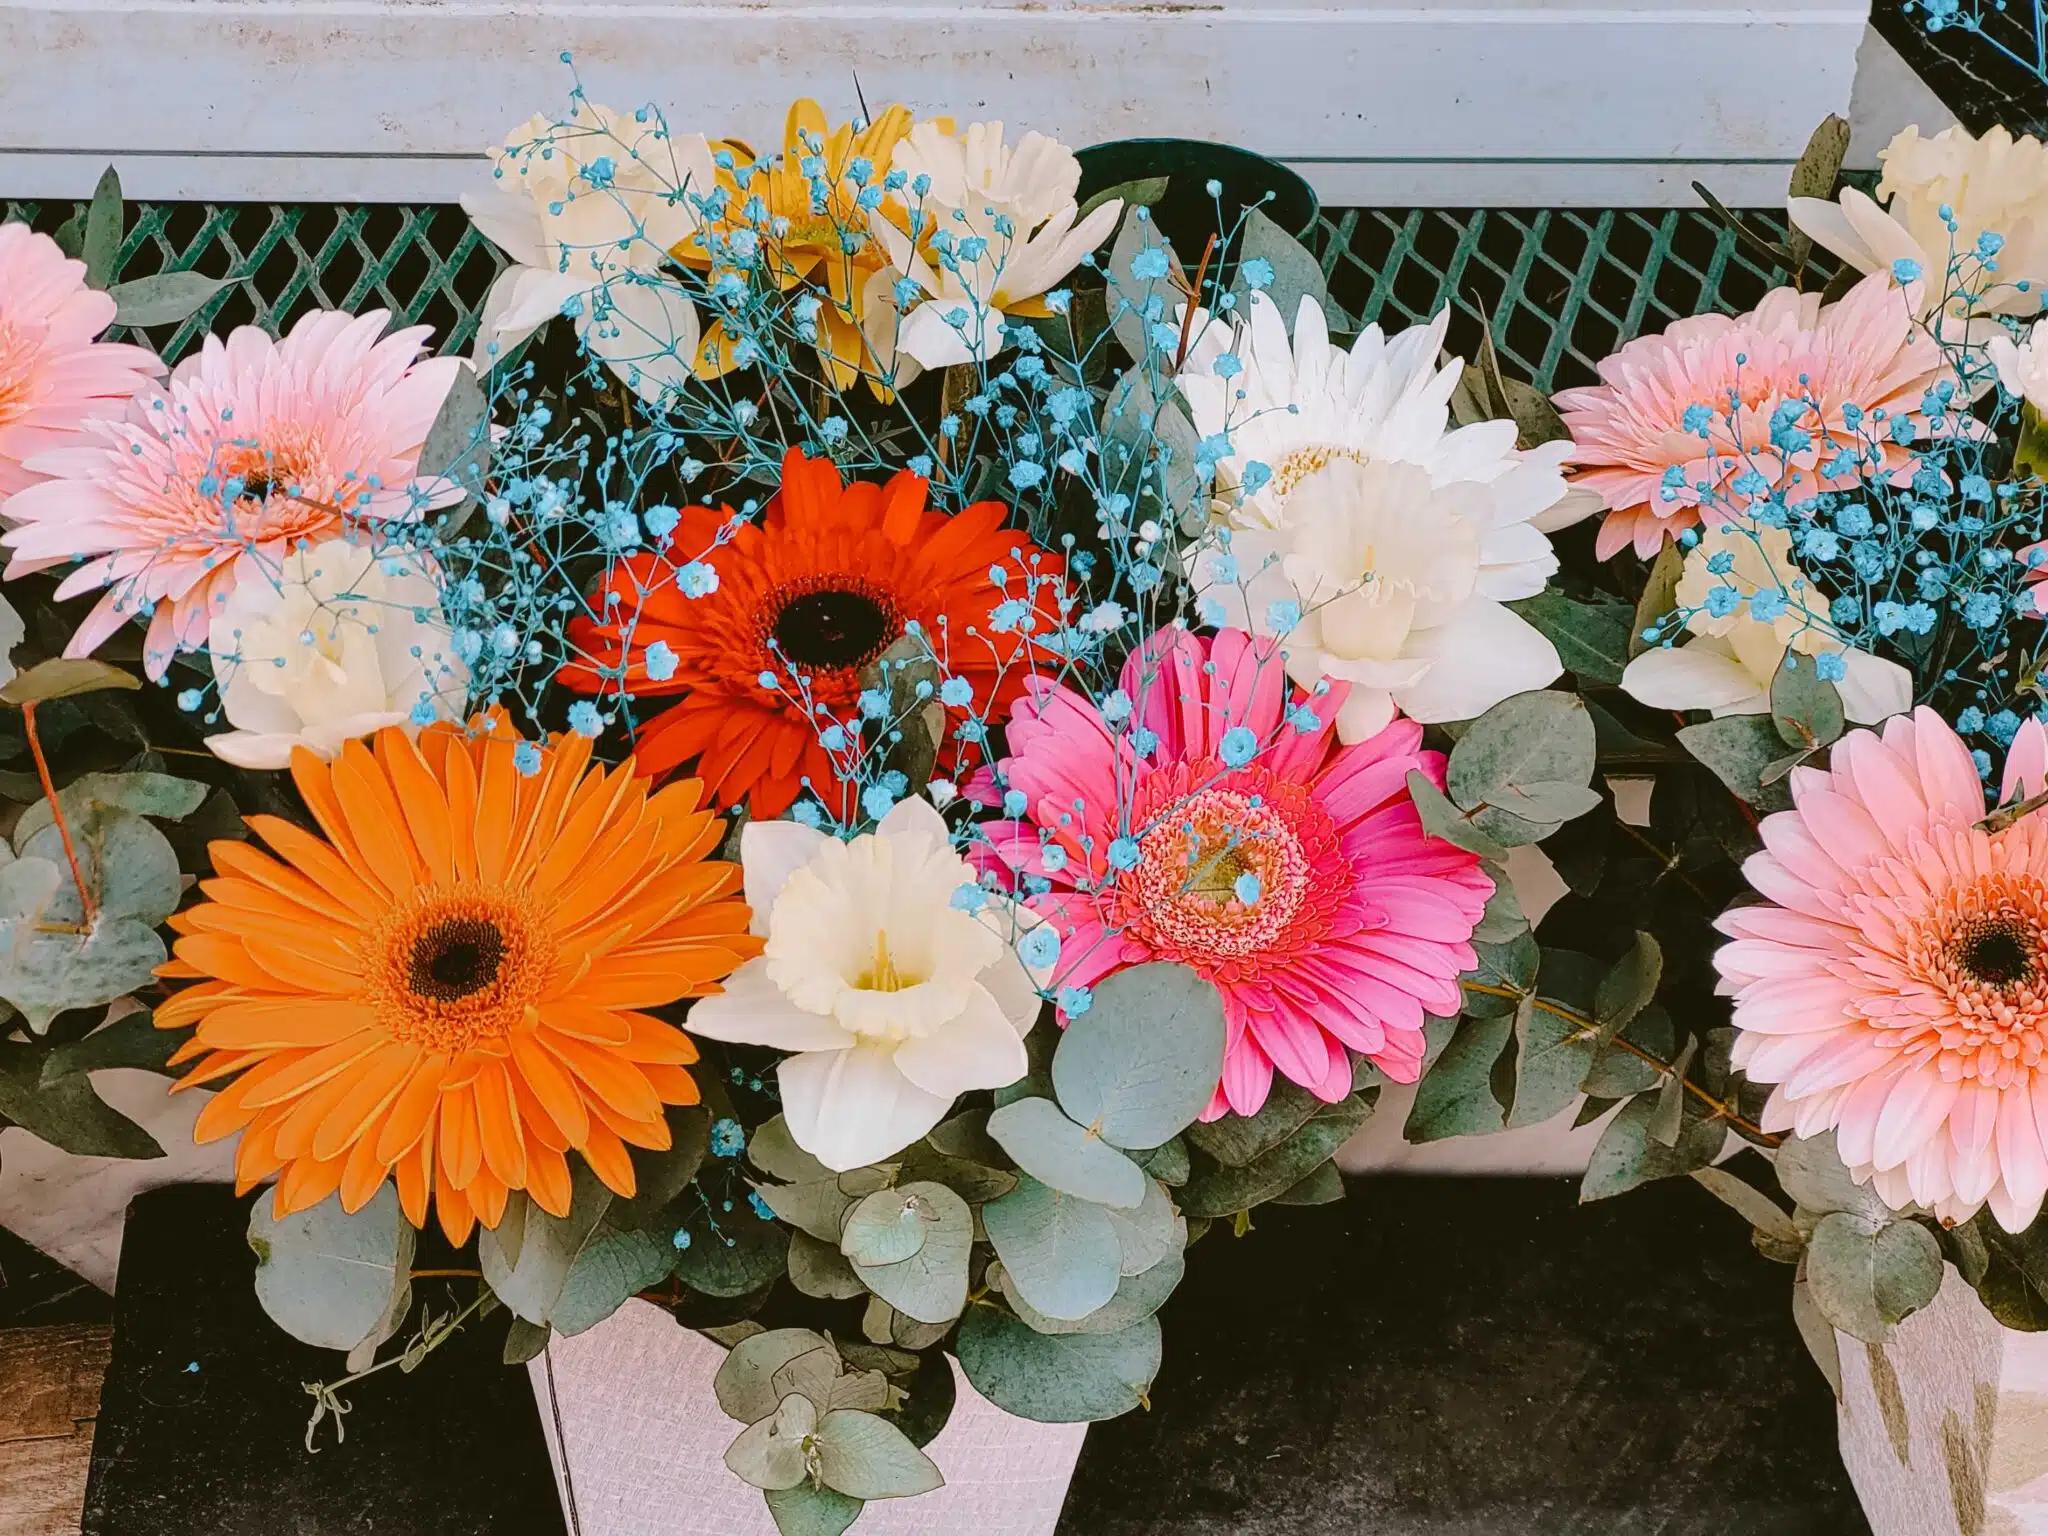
x=1811, y=1171
x=745, y=1381
x=1130, y=296
x=1530, y=740
x=458, y=444
x=527, y=1257
x=1627, y=1154
x=819, y=1269
x=818, y=1207
x=1235, y=1140
x=1297, y=275
x=1739, y=748
x=770, y=1454
x=1057, y=1152
x=1226, y=1191
x=1444, y=820
x=1659, y=600
x=1617, y=1072
x=1806, y=709
x=1819, y=1334
x=132, y=1041
x=930, y=1285
x=886, y=1227
x=1148, y=1234
x=1142, y=193
x=1553, y=1056
x=1167, y=1162
x=1144, y=1060
x=166, y=298
x=1323, y=1185
x=1866, y=1278
x=745, y=1255
x=774, y=1151
x=1455, y=1096
x=1592, y=639
x=103, y=220
x=65, y=1111
x=974, y=1182
x=524, y=1341
x=1749, y=1202
x=327, y=1277
x=807, y=1510
x=1065, y=1378
x=1061, y=1253
x=64, y=677
x=1137, y=1298
x=866, y=1457
x=1629, y=985
x=612, y=1268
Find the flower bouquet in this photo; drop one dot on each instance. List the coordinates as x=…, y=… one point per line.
x=903, y=743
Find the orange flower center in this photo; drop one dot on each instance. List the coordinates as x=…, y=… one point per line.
x=1184, y=897
x=458, y=968
x=1984, y=951
x=832, y=621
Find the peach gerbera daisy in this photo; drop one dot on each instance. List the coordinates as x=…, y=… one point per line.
x=254, y=445
x=1895, y=987
x=450, y=987
x=1727, y=377
x=54, y=376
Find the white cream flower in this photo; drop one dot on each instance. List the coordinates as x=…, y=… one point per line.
x=1004, y=231
x=2023, y=366
x=1728, y=665
x=343, y=643
x=1995, y=185
x=895, y=1001
x=588, y=210
x=1289, y=407
x=1382, y=580
x=1378, y=542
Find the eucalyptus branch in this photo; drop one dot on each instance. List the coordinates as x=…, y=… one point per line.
x=1650, y=1058
x=434, y=1332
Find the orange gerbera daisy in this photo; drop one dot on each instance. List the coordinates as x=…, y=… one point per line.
x=449, y=987
x=814, y=593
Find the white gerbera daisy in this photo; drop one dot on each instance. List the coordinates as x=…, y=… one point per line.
x=1375, y=540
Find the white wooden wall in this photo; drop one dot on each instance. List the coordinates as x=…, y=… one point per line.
x=1505, y=103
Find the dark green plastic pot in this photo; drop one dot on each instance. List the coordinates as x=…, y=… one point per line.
x=1187, y=215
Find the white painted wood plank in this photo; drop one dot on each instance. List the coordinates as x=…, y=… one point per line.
x=1513, y=102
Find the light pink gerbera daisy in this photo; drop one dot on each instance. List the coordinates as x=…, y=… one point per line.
x=1864, y=353
x=54, y=377
x=1896, y=991
x=1248, y=843
x=254, y=445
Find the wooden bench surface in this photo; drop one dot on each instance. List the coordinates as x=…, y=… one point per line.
x=49, y=1396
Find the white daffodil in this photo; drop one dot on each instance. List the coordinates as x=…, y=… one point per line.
x=588, y=210
x=343, y=643
x=1996, y=186
x=1383, y=580
x=1003, y=227
x=894, y=1000
x=1728, y=665
x=2023, y=366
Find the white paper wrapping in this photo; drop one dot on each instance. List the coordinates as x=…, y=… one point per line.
x=646, y=1445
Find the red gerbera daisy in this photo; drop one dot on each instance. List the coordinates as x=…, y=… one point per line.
x=811, y=595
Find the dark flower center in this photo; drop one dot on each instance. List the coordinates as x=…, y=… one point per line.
x=1997, y=953
x=832, y=628
x=456, y=957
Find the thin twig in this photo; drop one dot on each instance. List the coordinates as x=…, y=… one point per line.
x=1187, y=319
x=88, y=908
x=1664, y=1068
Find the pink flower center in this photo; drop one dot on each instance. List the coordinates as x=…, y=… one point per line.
x=1982, y=948
x=1186, y=896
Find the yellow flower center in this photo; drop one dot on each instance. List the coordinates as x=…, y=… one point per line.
x=882, y=976
x=1303, y=462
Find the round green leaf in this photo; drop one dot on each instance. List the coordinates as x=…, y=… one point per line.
x=1067, y=1378
x=931, y=1285
x=1145, y=1058
x=820, y=1269
x=867, y=1457
x=1525, y=748
x=1149, y=1233
x=1061, y=1253
x=885, y=1228
x=808, y=1510
x=1054, y=1150
x=745, y=1378
x=1137, y=1297
x=771, y=1454
x=325, y=1277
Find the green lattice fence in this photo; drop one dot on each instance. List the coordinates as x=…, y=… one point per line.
x=1562, y=287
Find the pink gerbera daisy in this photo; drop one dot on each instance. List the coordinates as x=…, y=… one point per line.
x=1896, y=989
x=254, y=445
x=1218, y=822
x=53, y=376
x=1726, y=377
